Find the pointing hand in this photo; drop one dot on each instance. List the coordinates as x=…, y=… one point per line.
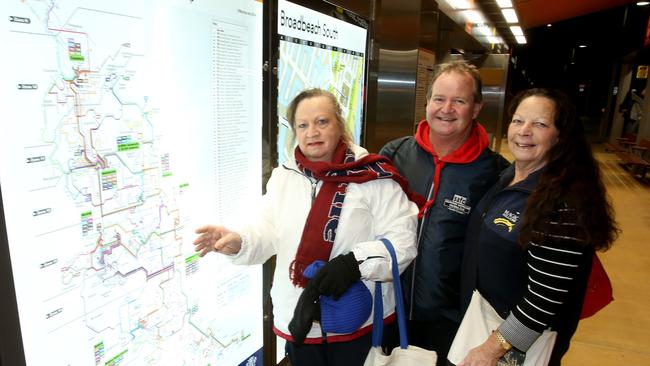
x=216, y=238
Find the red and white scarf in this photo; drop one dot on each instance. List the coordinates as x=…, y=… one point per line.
x=320, y=228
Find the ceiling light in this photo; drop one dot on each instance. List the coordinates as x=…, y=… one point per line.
x=516, y=30
x=460, y=4
x=549, y=25
x=510, y=15
x=504, y=3
x=520, y=39
x=642, y=3
x=493, y=39
x=582, y=46
x=473, y=16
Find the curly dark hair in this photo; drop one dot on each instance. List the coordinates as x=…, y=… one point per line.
x=571, y=176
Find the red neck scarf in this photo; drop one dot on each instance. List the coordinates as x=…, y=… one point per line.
x=320, y=228
x=466, y=153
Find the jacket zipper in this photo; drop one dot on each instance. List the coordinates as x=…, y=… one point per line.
x=416, y=258
x=313, y=181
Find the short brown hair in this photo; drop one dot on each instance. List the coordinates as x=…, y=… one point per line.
x=461, y=67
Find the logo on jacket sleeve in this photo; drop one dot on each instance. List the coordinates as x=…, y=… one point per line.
x=507, y=220
x=457, y=204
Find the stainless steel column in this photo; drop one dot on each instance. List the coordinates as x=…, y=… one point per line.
x=392, y=71
x=494, y=75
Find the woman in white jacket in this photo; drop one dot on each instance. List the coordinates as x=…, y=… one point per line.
x=333, y=202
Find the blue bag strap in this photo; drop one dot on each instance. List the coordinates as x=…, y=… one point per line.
x=378, y=319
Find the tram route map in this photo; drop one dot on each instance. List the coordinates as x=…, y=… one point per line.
x=101, y=185
x=303, y=65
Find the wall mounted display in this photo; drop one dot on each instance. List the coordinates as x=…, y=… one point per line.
x=324, y=50
x=127, y=124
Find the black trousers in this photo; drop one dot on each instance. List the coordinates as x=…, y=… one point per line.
x=352, y=353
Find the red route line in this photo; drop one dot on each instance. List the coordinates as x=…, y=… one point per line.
x=66, y=31
x=79, y=107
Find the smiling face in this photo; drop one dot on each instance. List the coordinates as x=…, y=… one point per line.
x=451, y=109
x=317, y=128
x=532, y=133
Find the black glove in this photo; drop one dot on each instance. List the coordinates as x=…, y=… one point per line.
x=337, y=275
x=307, y=310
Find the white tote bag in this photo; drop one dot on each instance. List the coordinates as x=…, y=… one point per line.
x=411, y=356
x=404, y=355
x=478, y=323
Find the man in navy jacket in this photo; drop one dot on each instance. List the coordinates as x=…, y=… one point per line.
x=448, y=162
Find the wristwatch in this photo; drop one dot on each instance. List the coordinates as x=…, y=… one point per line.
x=504, y=343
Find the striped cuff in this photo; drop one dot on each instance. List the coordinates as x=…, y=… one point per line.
x=517, y=334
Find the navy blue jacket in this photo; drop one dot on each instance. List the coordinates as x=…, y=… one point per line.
x=498, y=267
x=432, y=282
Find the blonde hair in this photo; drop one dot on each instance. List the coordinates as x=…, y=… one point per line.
x=346, y=136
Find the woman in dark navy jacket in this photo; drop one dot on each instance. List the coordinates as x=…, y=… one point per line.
x=531, y=239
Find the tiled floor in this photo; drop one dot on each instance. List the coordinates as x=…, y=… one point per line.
x=620, y=333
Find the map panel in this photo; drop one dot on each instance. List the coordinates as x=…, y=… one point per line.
x=129, y=124
x=317, y=50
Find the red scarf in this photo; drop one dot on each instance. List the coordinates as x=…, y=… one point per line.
x=466, y=153
x=320, y=228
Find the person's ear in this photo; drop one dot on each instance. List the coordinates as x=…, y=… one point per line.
x=477, y=109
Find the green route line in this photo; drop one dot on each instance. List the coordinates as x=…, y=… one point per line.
x=117, y=359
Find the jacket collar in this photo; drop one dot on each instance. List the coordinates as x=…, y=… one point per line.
x=528, y=184
x=466, y=153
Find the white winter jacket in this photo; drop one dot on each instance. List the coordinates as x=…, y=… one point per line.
x=372, y=210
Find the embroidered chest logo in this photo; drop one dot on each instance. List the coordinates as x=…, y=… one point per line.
x=457, y=204
x=507, y=220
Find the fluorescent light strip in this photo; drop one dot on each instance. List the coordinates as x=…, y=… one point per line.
x=459, y=4
x=516, y=30
x=504, y=3
x=493, y=39
x=473, y=16
x=510, y=15
x=520, y=39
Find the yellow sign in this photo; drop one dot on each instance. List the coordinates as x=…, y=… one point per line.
x=642, y=72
